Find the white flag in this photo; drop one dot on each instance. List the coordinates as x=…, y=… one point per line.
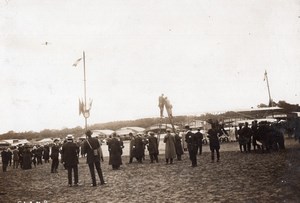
x=76, y=62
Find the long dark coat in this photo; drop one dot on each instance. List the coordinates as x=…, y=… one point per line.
x=213, y=136
x=115, y=150
x=54, y=152
x=138, y=147
x=5, y=157
x=178, y=146
x=86, y=149
x=27, y=159
x=192, y=141
x=46, y=154
x=170, y=151
x=152, y=145
x=69, y=154
x=199, y=137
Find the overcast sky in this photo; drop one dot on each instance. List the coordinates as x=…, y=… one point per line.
x=206, y=56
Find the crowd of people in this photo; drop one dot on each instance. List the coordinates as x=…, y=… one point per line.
x=260, y=136
x=24, y=156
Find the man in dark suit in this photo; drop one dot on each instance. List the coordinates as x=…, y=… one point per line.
x=70, y=158
x=89, y=146
x=5, y=159
x=199, y=136
x=192, y=144
x=54, y=156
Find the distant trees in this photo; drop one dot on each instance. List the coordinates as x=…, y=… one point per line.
x=262, y=105
x=282, y=104
x=287, y=106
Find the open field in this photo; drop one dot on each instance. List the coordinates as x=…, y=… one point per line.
x=238, y=177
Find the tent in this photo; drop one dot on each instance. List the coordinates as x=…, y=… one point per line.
x=135, y=129
x=45, y=141
x=102, y=133
x=16, y=142
x=162, y=127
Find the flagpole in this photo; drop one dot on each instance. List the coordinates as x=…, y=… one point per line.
x=84, y=80
x=270, y=100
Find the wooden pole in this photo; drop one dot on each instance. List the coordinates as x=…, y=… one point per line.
x=270, y=100
x=84, y=80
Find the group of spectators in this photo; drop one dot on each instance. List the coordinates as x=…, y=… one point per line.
x=261, y=136
x=24, y=156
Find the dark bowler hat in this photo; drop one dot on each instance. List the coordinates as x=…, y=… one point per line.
x=88, y=133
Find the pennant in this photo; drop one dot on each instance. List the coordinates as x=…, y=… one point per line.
x=91, y=102
x=76, y=62
x=265, y=75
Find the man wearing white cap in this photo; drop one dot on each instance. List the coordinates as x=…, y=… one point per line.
x=69, y=156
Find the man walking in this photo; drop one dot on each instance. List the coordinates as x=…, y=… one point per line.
x=70, y=157
x=91, y=147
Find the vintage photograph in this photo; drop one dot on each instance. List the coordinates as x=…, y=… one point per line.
x=149, y=101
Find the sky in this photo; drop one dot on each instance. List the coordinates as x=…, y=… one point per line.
x=205, y=56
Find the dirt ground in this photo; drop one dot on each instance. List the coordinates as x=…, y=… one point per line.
x=238, y=177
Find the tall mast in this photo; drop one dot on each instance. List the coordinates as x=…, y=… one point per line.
x=270, y=99
x=84, y=80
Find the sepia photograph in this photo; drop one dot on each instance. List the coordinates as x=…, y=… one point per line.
x=150, y=101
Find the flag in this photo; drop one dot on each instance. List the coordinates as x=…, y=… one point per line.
x=91, y=102
x=76, y=62
x=265, y=75
x=81, y=107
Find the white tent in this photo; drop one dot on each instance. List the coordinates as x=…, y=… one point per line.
x=123, y=132
x=135, y=129
x=98, y=133
x=45, y=141
x=16, y=142
x=105, y=132
x=162, y=126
